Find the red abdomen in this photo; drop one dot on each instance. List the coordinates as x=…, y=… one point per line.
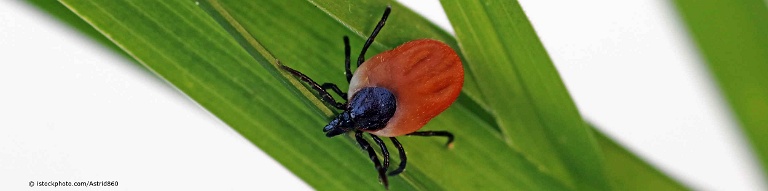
x=425, y=76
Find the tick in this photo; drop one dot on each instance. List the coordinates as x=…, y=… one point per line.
x=394, y=93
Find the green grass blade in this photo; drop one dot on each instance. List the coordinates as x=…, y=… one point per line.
x=181, y=43
x=178, y=41
x=522, y=88
x=230, y=71
x=732, y=36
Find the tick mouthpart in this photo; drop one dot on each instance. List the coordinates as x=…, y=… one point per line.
x=339, y=125
x=331, y=131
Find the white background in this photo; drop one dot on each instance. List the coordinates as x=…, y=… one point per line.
x=72, y=110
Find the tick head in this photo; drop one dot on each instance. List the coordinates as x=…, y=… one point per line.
x=372, y=107
x=369, y=109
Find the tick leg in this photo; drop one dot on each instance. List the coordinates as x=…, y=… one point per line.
x=324, y=95
x=336, y=89
x=435, y=133
x=403, y=159
x=372, y=154
x=346, y=59
x=376, y=30
x=384, y=150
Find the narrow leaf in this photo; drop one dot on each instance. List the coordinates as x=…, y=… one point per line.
x=185, y=46
x=231, y=72
x=524, y=91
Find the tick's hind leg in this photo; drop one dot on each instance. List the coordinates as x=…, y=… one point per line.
x=372, y=155
x=435, y=133
x=403, y=159
x=324, y=95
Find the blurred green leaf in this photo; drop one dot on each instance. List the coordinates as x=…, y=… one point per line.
x=732, y=36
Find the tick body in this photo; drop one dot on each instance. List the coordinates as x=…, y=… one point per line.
x=394, y=93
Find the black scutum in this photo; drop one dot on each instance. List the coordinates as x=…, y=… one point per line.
x=372, y=107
